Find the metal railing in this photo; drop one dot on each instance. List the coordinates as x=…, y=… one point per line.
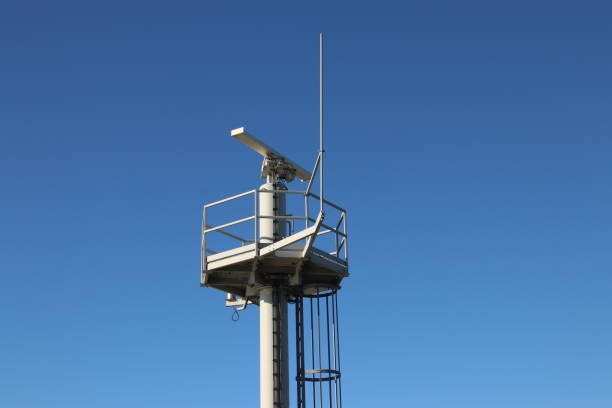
x=339, y=230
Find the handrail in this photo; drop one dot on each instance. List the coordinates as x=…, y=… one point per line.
x=230, y=235
x=280, y=191
x=229, y=199
x=340, y=220
x=331, y=229
x=313, y=195
x=229, y=224
x=282, y=217
x=325, y=229
x=314, y=173
x=342, y=241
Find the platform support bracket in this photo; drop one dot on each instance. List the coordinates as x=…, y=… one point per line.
x=296, y=278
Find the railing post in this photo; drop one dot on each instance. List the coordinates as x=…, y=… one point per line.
x=256, y=237
x=337, y=246
x=345, y=238
x=306, y=208
x=203, y=265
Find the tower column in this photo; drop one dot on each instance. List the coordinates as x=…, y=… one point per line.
x=273, y=348
x=273, y=316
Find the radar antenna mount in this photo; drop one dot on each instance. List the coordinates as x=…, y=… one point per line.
x=275, y=166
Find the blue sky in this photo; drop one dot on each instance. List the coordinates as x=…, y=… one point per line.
x=470, y=142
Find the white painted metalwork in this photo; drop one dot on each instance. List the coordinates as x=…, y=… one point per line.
x=266, y=222
x=279, y=264
x=270, y=155
x=321, y=149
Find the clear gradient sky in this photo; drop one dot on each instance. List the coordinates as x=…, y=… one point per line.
x=470, y=141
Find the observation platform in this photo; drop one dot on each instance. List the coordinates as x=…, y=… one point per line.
x=296, y=261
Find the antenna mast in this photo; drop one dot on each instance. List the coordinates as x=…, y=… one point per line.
x=321, y=150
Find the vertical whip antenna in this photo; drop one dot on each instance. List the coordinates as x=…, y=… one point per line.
x=321, y=150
